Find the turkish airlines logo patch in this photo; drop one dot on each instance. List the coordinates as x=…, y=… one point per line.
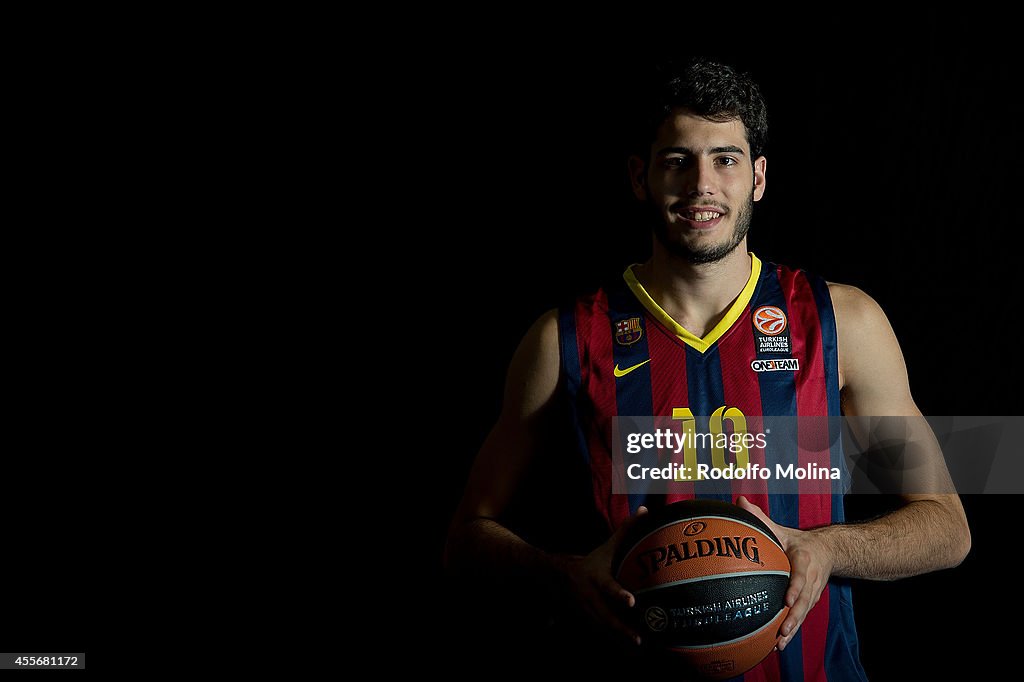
x=770, y=320
x=771, y=330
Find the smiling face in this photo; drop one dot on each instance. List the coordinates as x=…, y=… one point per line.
x=702, y=184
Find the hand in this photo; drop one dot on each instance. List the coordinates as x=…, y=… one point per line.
x=810, y=558
x=594, y=588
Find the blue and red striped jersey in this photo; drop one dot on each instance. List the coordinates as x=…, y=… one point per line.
x=622, y=354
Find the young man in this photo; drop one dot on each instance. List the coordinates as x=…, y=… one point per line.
x=685, y=330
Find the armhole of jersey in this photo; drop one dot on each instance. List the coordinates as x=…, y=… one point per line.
x=568, y=350
x=830, y=350
x=829, y=334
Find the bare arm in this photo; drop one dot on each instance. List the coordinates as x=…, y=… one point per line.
x=477, y=540
x=930, y=531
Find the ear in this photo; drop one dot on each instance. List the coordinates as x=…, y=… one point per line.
x=760, y=166
x=638, y=177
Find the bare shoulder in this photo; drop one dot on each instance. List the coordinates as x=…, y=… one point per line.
x=541, y=341
x=863, y=332
x=853, y=303
x=533, y=372
x=548, y=326
x=859, y=318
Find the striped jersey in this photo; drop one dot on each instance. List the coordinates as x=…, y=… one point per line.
x=773, y=354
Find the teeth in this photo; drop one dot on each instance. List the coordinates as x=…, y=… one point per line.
x=703, y=216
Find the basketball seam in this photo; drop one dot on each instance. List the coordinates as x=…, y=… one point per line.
x=717, y=576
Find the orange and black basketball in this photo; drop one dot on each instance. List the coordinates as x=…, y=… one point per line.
x=710, y=581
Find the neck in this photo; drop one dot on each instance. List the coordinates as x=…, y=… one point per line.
x=695, y=296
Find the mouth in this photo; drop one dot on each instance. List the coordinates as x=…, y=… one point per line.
x=700, y=217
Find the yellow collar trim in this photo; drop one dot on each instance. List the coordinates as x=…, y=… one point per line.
x=733, y=314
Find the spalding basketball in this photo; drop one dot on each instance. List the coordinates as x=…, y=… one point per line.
x=710, y=581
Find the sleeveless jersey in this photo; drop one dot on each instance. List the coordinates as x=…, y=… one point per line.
x=621, y=354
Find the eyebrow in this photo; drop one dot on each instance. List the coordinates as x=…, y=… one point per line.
x=728, y=149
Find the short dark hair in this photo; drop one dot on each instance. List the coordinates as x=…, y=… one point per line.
x=712, y=90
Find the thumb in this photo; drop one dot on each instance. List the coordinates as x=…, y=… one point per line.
x=617, y=536
x=743, y=503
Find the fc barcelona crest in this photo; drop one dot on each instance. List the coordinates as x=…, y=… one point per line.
x=628, y=331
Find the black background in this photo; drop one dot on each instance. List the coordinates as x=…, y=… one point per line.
x=895, y=171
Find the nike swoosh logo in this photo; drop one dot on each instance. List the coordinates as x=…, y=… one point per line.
x=623, y=372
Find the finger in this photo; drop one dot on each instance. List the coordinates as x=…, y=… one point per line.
x=791, y=624
x=803, y=604
x=612, y=620
x=742, y=501
x=640, y=512
x=746, y=505
x=616, y=592
x=797, y=581
x=790, y=627
x=617, y=536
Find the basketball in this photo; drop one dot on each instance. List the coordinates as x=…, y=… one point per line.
x=710, y=581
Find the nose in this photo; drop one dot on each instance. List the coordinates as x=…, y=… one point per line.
x=700, y=180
